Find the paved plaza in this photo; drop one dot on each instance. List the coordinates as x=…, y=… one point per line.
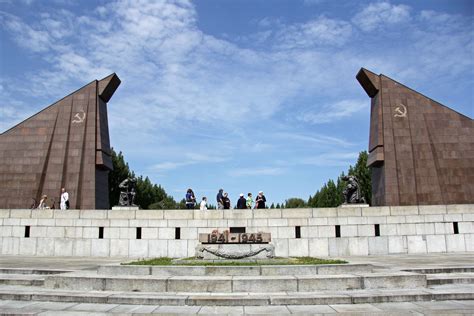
x=404, y=308
x=454, y=306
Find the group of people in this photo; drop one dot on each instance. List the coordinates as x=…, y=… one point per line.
x=64, y=204
x=223, y=201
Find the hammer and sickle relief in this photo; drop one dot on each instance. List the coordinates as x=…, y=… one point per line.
x=79, y=117
x=400, y=111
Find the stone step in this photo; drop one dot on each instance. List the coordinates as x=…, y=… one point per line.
x=234, y=284
x=32, y=271
x=458, y=292
x=182, y=270
x=450, y=278
x=22, y=279
x=437, y=270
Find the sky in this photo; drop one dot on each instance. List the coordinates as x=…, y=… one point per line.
x=244, y=95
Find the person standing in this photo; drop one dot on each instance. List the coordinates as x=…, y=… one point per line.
x=249, y=201
x=190, y=199
x=42, y=204
x=226, y=201
x=64, y=204
x=220, y=199
x=203, y=206
x=241, y=202
x=260, y=201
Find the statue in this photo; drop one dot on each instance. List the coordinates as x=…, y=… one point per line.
x=352, y=192
x=127, y=192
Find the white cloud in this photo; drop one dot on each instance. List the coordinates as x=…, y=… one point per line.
x=26, y=36
x=342, y=159
x=320, y=31
x=334, y=111
x=312, y=139
x=380, y=14
x=189, y=159
x=173, y=72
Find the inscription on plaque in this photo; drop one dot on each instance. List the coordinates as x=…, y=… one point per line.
x=225, y=237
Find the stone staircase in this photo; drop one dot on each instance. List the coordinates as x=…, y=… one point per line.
x=238, y=285
x=27, y=277
x=450, y=275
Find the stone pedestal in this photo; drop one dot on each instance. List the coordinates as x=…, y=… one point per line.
x=125, y=208
x=234, y=251
x=354, y=205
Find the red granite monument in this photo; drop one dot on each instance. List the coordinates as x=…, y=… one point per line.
x=420, y=151
x=64, y=145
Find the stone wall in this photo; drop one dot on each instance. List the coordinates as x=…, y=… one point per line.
x=401, y=229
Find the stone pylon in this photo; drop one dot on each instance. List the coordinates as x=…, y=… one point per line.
x=64, y=145
x=420, y=151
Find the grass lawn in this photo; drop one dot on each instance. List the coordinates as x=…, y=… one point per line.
x=164, y=261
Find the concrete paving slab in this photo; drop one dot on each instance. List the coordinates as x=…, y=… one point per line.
x=405, y=261
x=222, y=310
x=6, y=311
x=451, y=312
x=123, y=308
x=145, y=309
x=266, y=310
x=62, y=263
x=17, y=304
x=397, y=305
x=86, y=307
x=54, y=306
x=320, y=309
x=469, y=304
x=70, y=313
x=444, y=305
x=178, y=309
x=345, y=308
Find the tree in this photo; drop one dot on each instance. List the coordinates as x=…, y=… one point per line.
x=148, y=195
x=295, y=203
x=330, y=194
x=120, y=172
x=363, y=174
x=272, y=206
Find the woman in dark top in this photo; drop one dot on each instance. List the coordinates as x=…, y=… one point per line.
x=260, y=200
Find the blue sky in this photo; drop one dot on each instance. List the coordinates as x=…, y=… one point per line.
x=245, y=95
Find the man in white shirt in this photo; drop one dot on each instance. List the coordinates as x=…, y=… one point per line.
x=64, y=199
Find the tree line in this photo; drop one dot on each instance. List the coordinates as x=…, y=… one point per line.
x=148, y=196
x=330, y=194
x=153, y=196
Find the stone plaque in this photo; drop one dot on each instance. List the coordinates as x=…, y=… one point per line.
x=232, y=238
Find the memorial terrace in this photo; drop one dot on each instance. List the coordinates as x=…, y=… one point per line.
x=318, y=232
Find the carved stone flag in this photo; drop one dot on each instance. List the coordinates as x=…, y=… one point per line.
x=63, y=145
x=420, y=151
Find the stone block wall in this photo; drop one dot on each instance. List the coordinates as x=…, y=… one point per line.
x=322, y=231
